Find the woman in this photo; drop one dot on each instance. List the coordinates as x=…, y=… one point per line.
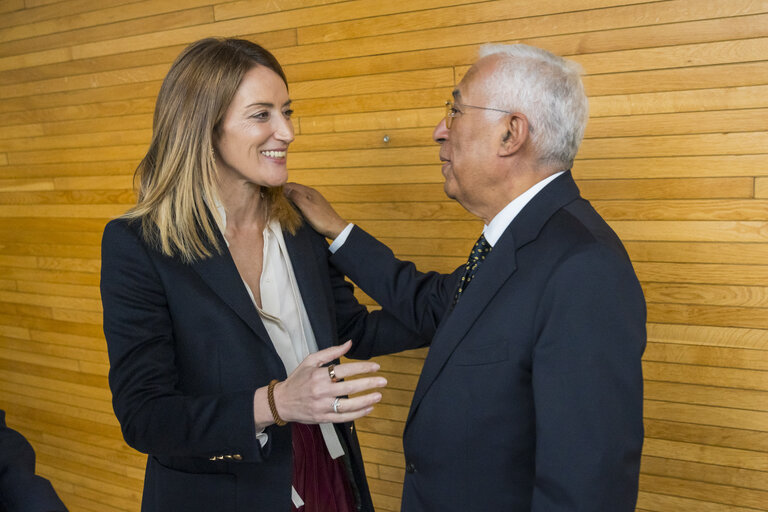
x=220, y=309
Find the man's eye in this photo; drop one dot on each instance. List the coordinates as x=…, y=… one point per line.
x=288, y=113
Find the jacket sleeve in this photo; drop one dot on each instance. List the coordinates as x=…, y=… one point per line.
x=155, y=416
x=417, y=299
x=20, y=488
x=588, y=385
x=373, y=333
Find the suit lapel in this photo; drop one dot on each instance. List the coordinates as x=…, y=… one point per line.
x=498, y=268
x=308, y=277
x=220, y=274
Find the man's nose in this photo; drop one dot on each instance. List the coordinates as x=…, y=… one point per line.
x=441, y=132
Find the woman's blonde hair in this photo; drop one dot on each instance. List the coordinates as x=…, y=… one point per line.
x=176, y=179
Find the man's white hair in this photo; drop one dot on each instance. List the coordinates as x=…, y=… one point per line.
x=548, y=90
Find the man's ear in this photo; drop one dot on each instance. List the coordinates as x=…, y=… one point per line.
x=516, y=135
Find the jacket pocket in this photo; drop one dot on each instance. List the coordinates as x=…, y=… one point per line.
x=167, y=489
x=489, y=353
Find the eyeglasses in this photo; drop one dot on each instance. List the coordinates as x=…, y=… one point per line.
x=451, y=111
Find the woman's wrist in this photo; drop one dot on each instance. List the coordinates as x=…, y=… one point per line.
x=280, y=422
x=262, y=415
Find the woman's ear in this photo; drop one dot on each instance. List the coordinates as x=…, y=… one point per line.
x=516, y=134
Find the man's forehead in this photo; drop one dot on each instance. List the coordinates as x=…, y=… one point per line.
x=463, y=87
x=472, y=82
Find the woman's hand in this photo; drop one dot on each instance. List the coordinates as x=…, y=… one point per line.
x=308, y=394
x=316, y=209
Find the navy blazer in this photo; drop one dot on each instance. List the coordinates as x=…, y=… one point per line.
x=20, y=489
x=187, y=350
x=530, y=399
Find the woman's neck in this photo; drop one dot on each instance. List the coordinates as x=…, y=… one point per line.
x=245, y=207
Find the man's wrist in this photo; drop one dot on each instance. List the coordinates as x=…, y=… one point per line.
x=335, y=230
x=339, y=240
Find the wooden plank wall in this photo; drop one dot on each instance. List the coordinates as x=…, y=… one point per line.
x=674, y=157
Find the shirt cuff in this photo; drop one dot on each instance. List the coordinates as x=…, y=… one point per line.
x=262, y=437
x=339, y=240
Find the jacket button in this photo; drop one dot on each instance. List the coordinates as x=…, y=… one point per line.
x=237, y=456
x=410, y=468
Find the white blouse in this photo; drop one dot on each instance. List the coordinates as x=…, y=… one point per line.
x=285, y=318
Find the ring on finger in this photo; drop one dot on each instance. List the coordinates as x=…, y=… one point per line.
x=337, y=405
x=332, y=373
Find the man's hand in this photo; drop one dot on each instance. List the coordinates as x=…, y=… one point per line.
x=318, y=212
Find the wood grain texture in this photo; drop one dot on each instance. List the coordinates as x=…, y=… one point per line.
x=675, y=157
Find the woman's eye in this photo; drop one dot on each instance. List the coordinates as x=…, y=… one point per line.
x=261, y=116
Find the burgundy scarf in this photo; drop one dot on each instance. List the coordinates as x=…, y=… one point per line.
x=320, y=480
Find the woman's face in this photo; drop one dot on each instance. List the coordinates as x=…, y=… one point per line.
x=252, y=140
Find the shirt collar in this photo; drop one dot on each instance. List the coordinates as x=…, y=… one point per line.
x=504, y=218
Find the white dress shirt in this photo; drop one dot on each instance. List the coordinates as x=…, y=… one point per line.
x=504, y=218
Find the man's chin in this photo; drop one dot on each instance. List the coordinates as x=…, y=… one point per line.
x=449, y=189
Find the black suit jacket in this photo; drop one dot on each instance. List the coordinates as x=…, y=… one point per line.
x=530, y=399
x=187, y=350
x=20, y=489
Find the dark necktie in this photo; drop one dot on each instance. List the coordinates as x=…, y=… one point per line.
x=476, y=257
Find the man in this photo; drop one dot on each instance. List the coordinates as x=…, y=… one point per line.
x=20, y=488
x=531, y=396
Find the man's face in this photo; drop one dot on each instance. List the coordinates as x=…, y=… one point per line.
x=469, y=149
